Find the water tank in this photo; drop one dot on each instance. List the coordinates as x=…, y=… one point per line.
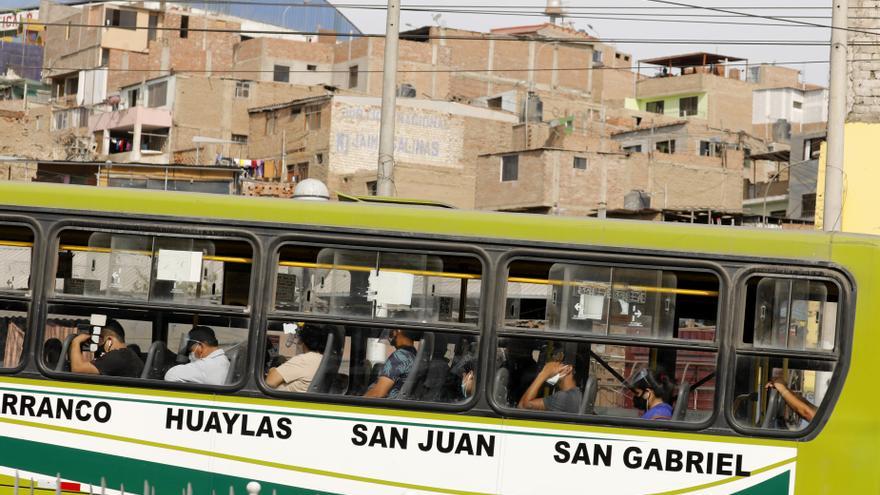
x=311, y=190
x=636, y=200
x=534, y=108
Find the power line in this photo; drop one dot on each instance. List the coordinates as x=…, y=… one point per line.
x=477, y=37
x=483, y=69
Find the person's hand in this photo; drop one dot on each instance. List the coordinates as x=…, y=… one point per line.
x=774, y=383
x=80, y=338
x=555, y=367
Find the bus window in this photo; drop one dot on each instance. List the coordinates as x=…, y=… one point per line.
x=597, y=380
x=788, y=352
x=591, y=299
x=358, y=361
x=13, y=325
x=378, y=285
x=155, y=341
x=138, y=267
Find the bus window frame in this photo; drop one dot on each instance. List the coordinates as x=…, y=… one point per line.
x=30, y=296
x=152, y=228
x=347, y=241
x=846, y=306
x=641, y=260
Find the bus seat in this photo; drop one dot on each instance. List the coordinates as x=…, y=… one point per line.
x=433, y=388
x=774, y=405
x=591, y=389
x=322, y=379
x=420, y=366
x=502, y=382
x=681, y=403
x=154, y=360
x=64, y=360
x=236, y=355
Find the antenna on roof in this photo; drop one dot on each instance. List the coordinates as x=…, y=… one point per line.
x=554, y=10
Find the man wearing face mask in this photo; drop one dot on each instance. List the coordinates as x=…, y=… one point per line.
x=652, y=393
x=397, y=366
x=566, y=398
x=208, y=363
x=297, y=373
x=112, y=358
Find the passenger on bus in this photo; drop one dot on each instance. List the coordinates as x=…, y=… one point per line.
x=113, y=357
x=208, y=363
x=652, y=393
x=297, y=373
x=52, y=352
x=396, y=368
x=566, y=398
x=800, y=406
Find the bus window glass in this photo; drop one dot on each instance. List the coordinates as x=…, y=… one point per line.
x=16, y=246
x=157, y=340
x=378, y=284
x=602, y=380
x=788, y=352
x=794, y=314
x=609, y=300
x=392, y=363
x=779, y=393
x=138, y=267
x=13, y=326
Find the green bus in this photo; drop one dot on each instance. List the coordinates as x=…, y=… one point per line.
x=159, y=343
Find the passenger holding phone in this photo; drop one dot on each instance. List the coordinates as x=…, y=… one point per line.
x=112, y=358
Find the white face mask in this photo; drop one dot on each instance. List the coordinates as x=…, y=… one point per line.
x=554, y=379
x=192, y=357
x=464, y=391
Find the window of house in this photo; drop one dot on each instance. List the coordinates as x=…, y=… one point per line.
x=240, y=138
x=313, y=118
x=71, y=84
x=319, y=158
x=812, y=148
x=133, y=97
x=665, y=146
x=597, y=57
x=157, y=94
x=495, y=103
x=295, y=112
x=105, y=57
x=125, y=19
x=708, y=148
x=154, y=140
x=688, y=106
x=242, y=89
x=353, y=76
x=580, y=163
x=281, y=73
x=372, y=188
x=311, y=68
x=184, y=26
x=797, y=105
x=152, y=27
x=808, y=205
x=633, y=149
x=654, y=107
x=509, y=168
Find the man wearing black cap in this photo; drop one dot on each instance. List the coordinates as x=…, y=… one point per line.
x=208, y=363
x=112, y=358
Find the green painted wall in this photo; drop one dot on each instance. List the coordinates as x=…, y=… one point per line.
x=671, y=104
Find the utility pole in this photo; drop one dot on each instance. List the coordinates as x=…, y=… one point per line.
x=834, y=166
x=385, y=176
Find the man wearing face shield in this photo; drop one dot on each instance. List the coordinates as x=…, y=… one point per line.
x=397, y=366
x=112, y=358
x=208, y=363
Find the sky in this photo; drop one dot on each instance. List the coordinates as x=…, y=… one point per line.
x=633, y=19
x=643, y=21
